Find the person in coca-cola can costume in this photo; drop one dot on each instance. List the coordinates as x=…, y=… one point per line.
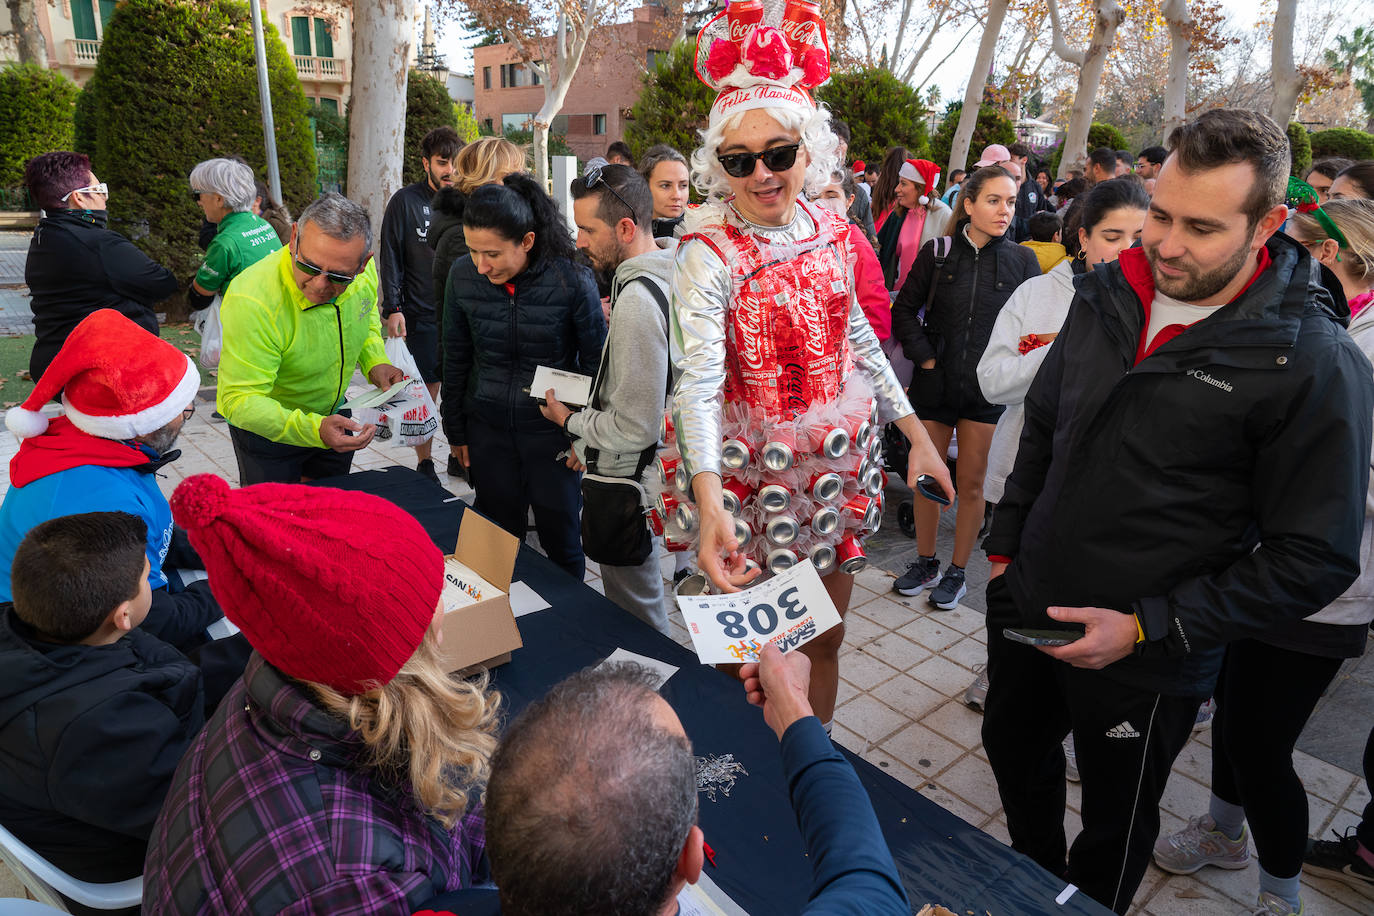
x=784, y=387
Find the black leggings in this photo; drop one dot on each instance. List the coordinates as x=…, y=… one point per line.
x=1264, y=698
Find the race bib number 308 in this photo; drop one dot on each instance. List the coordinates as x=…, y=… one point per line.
x=788, y=610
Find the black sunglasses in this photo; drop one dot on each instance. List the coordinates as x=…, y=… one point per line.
x=195, y=195
x=594, y=179
x=775, y=159
x=337, y=279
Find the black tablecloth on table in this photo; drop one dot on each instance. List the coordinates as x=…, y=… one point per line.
x=758, y=849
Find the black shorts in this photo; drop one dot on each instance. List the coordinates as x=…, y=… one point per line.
x=263, y=461
x=949, y=415
x=422, y=340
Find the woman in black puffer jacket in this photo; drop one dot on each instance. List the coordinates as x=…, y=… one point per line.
x=977, y=277
x=514, y=302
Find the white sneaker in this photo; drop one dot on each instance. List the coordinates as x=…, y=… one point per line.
x=1273, y=905
x=1201, y=844
x=976, y=694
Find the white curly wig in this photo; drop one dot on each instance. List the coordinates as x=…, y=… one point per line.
x=817, y=139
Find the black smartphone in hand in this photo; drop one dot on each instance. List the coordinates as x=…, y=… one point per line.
x=1032, y=637
x=930, y=488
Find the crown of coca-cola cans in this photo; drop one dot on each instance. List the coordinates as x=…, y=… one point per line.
x=801, y=25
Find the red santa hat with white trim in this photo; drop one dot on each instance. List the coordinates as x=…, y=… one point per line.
x=117, y=381
x=922, y=172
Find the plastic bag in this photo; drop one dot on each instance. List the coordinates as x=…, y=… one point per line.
x=416, y=422
x=207, y=325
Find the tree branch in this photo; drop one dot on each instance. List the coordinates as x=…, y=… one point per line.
x=1058, y=43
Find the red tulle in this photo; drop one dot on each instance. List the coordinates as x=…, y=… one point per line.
x=724, y=57
x=767, y=53
x=815, y=67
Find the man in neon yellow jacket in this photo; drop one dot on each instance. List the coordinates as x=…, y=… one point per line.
x=296, y=324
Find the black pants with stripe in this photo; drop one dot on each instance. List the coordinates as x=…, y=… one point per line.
x=1126, y=742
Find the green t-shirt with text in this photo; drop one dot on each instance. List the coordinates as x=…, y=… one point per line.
x=242, y=239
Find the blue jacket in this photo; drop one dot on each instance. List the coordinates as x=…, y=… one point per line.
x=87, y=488
x=494, y=339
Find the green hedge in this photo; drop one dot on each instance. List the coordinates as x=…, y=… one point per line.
x=1299, y=149
x=1099, y=135
x=672, y=107
x=1345, y=142
x=176, y=83
x=36, y=111
x=428, y=106
x=992, y=127
x=881, y=111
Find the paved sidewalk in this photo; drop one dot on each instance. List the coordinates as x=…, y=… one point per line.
x=16, y=319
x=904, y=667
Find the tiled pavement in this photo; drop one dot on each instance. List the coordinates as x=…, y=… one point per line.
x=903, y=668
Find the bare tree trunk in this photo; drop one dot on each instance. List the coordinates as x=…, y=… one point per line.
x=1109, y=16
x=24, y=21
x=973, y=95
x=1176, y=85
x=1285, y=73
x=383, y=31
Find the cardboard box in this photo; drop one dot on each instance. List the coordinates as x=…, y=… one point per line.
x=482, y=634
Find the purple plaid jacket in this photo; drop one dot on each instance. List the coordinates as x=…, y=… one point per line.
x=270, y=812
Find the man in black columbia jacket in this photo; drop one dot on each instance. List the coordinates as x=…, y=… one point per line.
x=1192, y=470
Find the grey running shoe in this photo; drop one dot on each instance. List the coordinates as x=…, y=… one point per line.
x=1339, y=860
x=1201, y=844
x=1205, y=712
x=976, y=694
x=952, y=587
x=918, y=576
x=1273, y=905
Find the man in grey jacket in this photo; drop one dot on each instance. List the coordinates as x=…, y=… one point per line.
x=613, y=209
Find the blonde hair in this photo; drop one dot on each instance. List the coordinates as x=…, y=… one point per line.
x=427, y=729
x=1355, y=219
x=487, y=160
x=819, y=141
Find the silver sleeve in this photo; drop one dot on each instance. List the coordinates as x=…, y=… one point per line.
x=700, y=295
x=870, y=359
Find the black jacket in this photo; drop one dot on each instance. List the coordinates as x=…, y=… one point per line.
x=1214, y=488
x=973, y=285
x=446, y=237
x=76, y=266
x=1030, y=200
x=493, y=341
x=89, y=739
x=405, y=261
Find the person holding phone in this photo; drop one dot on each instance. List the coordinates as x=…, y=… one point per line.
x=961, y=299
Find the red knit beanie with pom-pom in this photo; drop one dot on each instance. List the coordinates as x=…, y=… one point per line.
x=331, y=586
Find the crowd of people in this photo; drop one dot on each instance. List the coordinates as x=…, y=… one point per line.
x=1145, y=388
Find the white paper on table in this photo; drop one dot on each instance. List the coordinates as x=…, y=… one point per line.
x=376, y=397
x=661, y=669
x=463, y=587
x=568, y=387
x=705, y=898
x=789, y=610
x=525, y=600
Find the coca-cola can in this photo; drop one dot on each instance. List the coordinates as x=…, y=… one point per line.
x=775, y=498
x=781, y=559
x=823, y=558
x=676, y=544
x=825, y=520
x=685, y=517
x=850, y=555
x=667, y=468
x=783, y=530
x=873, y=414
x=741, y=16
x=743, y=533
x=735, y=454
x=780, y=451
x=872, y=518
x=734, y=494
x=803, y=27
x=873, y=481
x=835, y=443
x=695, y=584
x=666, y=503
x=875, y=449
x=862, y=434
x=682, y=483
x=825, y=487
x=666, y=434
x=858, y=506
x=655, y=523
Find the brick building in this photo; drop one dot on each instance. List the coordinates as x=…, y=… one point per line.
x=509, y=93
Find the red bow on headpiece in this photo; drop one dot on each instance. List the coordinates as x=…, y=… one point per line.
x=740, y=50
